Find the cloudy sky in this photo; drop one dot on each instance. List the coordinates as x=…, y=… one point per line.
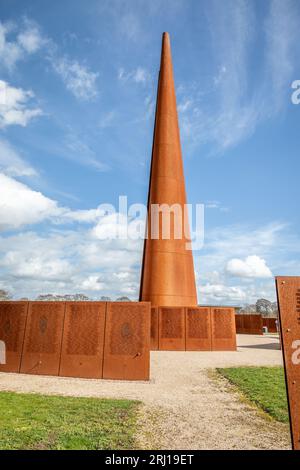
x=77, y=93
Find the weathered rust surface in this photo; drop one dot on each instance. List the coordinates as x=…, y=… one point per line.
x=43, y=337
x=171, y=328
x=270, y=323
x=257, y=324
x=154, y=329
x=13, y=317
x=223, y=329
x=198, y=329
x=83, y=340
x=250, y=324
x=167, y=277
x=239, y=323
x=288, y=293
x=127, y=341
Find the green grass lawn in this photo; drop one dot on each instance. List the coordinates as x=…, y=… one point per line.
x=265, y=386
x=30, y=421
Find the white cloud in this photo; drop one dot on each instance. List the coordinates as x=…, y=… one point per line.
x=95, y=246
x=86, y=258
x=85, y=216
x=20, y=205
x=15, y=106
x=27, y=41
x=253, y=266
x=10, y=52
x=11, y=163
x=30, y=38
x=93, y=283
x=78, y=78
x=138, y=75
x=37, y=266
x=275, y=242
x=220, y=293
x=238, y=101
x=69, y=261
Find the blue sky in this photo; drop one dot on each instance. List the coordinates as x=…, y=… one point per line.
x=77, y=94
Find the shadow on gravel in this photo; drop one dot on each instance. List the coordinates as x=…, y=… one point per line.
x=272, y=346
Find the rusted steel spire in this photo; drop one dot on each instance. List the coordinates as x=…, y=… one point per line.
x=167, y=277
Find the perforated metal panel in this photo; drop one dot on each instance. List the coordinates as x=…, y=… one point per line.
x=256, y=324
x=12, y=327
x=247, y=325
x=250, y=324
x=83, y=340
x=288, y=293
x=172, y=328
x=223, y=329
x=154, y=329
x=198, y=329
x=270, y=323
x=43, y=337
x=239, y=323
x=127, y=341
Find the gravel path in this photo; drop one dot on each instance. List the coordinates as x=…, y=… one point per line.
x=184, y=405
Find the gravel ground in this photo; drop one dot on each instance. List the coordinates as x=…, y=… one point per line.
x=185, y=406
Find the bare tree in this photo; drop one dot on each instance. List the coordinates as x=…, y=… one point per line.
x=4, y=295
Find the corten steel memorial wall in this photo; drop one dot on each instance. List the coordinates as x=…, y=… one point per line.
x=193, y=329
x=288, y=294
x=270, y=323
x=171, y=327
x=198, y=329
x=12, y=330
x=43, y=337
x=77, y=339
x=127, y=341
x=249, y=324
x=83, y=340
x=223, y=332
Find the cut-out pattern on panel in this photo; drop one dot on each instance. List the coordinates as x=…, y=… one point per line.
x=127, y=332
x=222, y=324
x=12, y=325
x=13, y=317
x=171, y=324
x=83, y=340
x=84, y=332
x=198, y=324
x=127, y=341
x=43, y=329
x=43, y=338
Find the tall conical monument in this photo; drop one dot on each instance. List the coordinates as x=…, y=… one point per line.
x=168, y=277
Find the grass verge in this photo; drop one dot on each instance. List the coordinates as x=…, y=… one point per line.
x=265, y=386
x=29, y=421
